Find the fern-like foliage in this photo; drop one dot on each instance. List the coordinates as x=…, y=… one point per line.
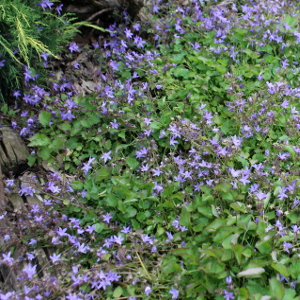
x=26, y=31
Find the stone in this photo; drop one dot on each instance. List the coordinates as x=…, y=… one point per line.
x=13, y=151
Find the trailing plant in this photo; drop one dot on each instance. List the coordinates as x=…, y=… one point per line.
x=30, y=31
x=185, y=161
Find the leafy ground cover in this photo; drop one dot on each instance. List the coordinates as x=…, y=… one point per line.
x=185, y=161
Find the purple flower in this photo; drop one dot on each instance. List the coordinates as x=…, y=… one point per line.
x=9, y=182
x=174, y=293
x=107, y=217
x=126, y=229
x=7, y=258
x=26, y=190
x=155, y=8
x=114, y=124
x=27, y=74
x=139, y=41
x=59, y=9
x=106, y=156
x=45, y=4
x=55, y=257
x=136, y=26
x=53, y=188
x=287, y=246
x=157, y=172
x=153, y=249
x=170, y=236
x=228, y=279
x=2, y=62
x=45, y=55
x=67, y=116
x=148, y=290
x=114, y=65
x=17, y=94
x=228, y=295
x=7, y=296
x=76, y=65
x=30, y=271
x=118, y=239
x=261, y=196
x=73, y=47
x=90, y=229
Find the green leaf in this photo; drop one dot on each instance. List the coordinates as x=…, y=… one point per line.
x=132, y=163
x=56, y=144
x=243, y=293
x=64, y=126
x=280, y=268
x=31, y=160
x=77, y=185
x=4, y=108
x=118, y=292
x=101, y=175
x=239, y=206
x=223, y=187
x=252, y=272
x=39, y=140
x=229, y=240
x=293, y=216
x=207, y=197
x=44, y=153
x=217, y=223
x=264, y=247
x=99, y=227
x=170, y=267
x=185, y=217
x=131, y=212
x=44, y=117
x=206, y=211
x=276, y=289
x=111, y=200
x=295, y=269
x=238, y=251
x=289, y=294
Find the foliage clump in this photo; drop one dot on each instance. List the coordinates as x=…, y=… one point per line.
x=29, y=31
x=185, y=161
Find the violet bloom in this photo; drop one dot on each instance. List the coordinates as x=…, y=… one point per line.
x=114, y=124
x=90, y=229
x=73, y=47
x=17, y=94
x=76, y=65
x=148, y=290
x=107, y=217
x=126, y=229
x=67, y=116
x=45, y=55
x=170, y=236
x=261, y=196
x=27, y=74
x=9, y=182
x=2, y=62
x=174, y=293
x=287, y=246
x=106, y=156
x=30, y=271
x=136, y=26
x=55, y=257
x=228, y=295
x=128, y=33
x=59, y=9
x=45, y=4
x=7, y=258
x=26, y=190
x=114, y=65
